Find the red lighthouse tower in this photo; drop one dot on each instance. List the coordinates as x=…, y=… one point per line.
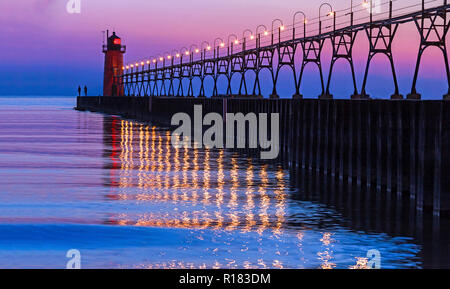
x=114, y=51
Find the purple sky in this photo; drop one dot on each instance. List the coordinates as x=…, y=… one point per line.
x=47, y=51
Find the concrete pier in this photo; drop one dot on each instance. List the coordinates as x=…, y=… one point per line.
x=397, y=149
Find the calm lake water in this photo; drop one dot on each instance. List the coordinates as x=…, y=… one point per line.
x=118, y=192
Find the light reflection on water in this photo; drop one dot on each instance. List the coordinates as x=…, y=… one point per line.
x=121, y=194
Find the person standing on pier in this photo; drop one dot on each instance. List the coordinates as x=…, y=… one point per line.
x=79, y=90
x=85, y=90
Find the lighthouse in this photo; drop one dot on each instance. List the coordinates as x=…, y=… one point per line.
x=114, y=50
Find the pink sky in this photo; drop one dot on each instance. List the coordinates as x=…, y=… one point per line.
x=43, y=39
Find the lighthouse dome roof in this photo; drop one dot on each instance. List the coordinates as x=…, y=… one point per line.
x=114, y=36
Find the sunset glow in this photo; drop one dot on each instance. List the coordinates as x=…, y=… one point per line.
x=41, y=35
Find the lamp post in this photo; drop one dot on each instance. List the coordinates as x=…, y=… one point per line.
x=151, y=60
x=236, y=41
x=175, y=54
x=161, y=59
x=221, y=44
x=390, y=8
x=280, y=28
x=193, y=49
x=265, y=32
x=184, y=51
x=245, y=39
x=155, y=63
x=168, y=56
x=251, y=34
x=204, y=49
x=369, y=4
x=137, y=66
x=258, y=35
x=304, y=23
x=331, y=13
x=351, y=12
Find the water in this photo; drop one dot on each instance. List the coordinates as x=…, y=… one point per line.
x=118, y=192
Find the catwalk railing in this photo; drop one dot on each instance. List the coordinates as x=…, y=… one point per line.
x=272, y=50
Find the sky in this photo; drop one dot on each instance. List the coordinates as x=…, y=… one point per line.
x=48, y=51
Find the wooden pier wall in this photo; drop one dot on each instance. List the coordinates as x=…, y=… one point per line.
x=398, y=148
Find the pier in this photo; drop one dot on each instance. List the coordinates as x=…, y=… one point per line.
x=398, y=148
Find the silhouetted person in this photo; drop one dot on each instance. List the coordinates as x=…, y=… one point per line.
x=85, y=90
x=79, y=90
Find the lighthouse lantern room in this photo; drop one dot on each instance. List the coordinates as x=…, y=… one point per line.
x=114, y=50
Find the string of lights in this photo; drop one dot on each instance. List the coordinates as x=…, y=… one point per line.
x=261, y=38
